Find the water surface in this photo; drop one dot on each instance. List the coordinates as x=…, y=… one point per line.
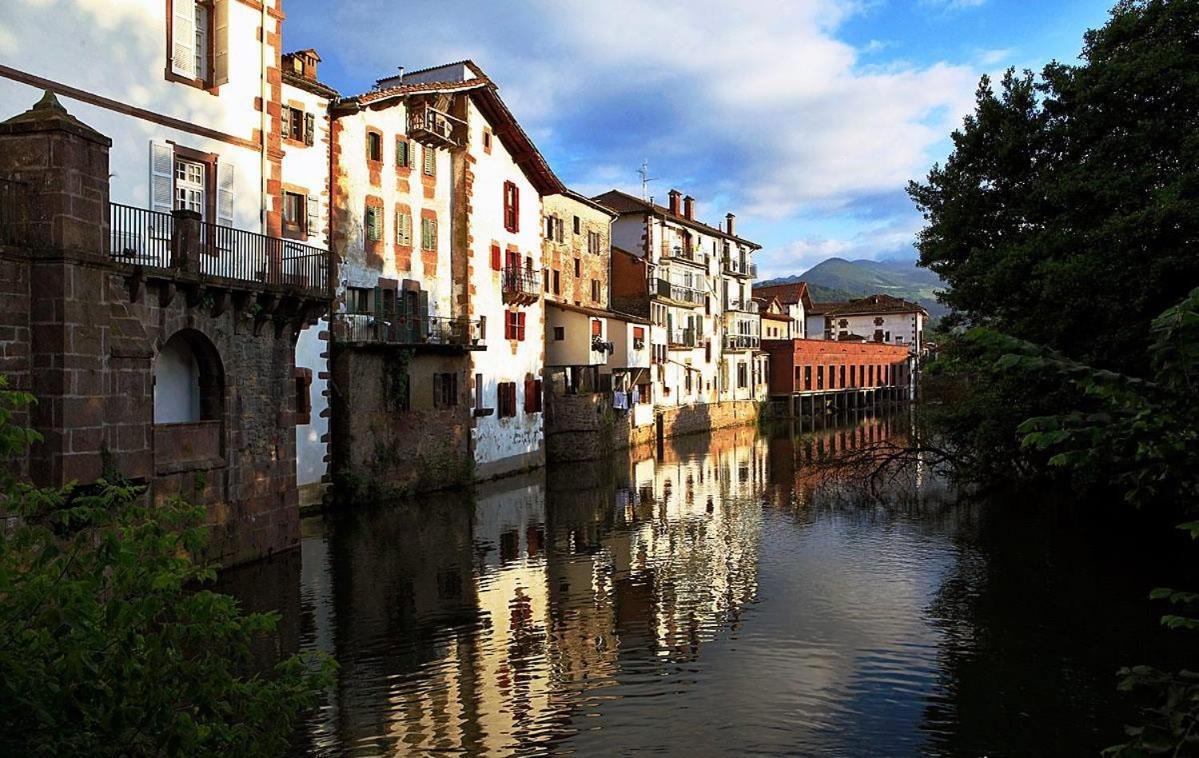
x=721, y=596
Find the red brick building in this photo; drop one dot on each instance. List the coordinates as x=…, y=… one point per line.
x=815, y=366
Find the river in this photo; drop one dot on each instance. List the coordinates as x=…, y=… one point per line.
x=723, y=596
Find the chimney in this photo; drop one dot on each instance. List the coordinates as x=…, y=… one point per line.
x=674, y=201
x=729, y=226
x=689, y=207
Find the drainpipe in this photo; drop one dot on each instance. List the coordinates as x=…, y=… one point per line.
x=264, y=93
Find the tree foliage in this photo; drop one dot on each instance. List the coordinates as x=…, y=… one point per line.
x=110, y=645
x=1068, y=212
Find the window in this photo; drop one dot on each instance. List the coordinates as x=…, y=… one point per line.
x=428, y=234
x=196, y=45
x=578, y=225
x=511, y=207
x=593, y=242
x=559, y=333
x=807, y=377
x=487, y=140
x=374, y=147
x=742, y=376
x=514, y=325
x=578, y=270
x=553, y=228
x=298, y=126
x=430, y=160
x=853, y=376
x=373, y=223
x=295, y=213
x=532, y=395
x=595, y=290
x=191, y=187
x=358, y=300
x=404, y=227
x=506, y=399
x=403, y=152
x=478, y=392
x=303, y=396
x=557, y=281
x=597, y=328
x=445, y=390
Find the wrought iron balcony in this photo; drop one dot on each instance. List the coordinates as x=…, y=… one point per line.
x=736, y=342
x=412, y=331
x=740, y=268
x=522, y=286
x=678, y=292
x=181, y=243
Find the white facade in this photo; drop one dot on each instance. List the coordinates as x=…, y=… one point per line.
x=124, y=92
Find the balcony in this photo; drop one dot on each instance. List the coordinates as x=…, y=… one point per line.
x=679, y=293
x=186, y=248
x=739, y=342
x=740, y=268
x=522, y=286
x=448, y=334
x=430, y=126
x=681, y=338
x=684, y=253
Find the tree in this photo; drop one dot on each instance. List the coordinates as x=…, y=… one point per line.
x=1068, y=212
x=109, y=643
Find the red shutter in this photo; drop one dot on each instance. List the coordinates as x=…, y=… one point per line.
x=536, y=394
x=496, y=263
x=520, y=325
x=509, y=326
x=515, y=208
x=529, y=396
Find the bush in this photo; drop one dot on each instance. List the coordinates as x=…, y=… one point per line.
x=110, y=645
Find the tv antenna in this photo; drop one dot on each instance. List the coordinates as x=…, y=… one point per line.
x=645, y=179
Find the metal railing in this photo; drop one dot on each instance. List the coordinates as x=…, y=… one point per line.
x=161, y=240
x=412, y=330
x=682, y=338
x=682, y=294
x=740, y=268
x=14, y=212
x=742, y=341
x=522, y=281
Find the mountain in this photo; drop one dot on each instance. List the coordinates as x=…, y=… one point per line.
x=838, y=279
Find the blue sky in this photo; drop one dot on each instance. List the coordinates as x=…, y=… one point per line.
x=806, y=118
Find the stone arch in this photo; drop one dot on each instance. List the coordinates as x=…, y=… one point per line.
x=189, y=380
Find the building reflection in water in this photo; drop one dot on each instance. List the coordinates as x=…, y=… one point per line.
x=497, y=624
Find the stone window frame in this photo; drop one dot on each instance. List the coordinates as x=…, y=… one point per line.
x=371, y=161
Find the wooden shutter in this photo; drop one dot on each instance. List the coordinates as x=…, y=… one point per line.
x=496, y=262
x=430, y=162
x=509, y=325
x=530, y=397
x=162, y=187
x=422, y=313
x=520, y=326
x=313, y=224
x=224, y=193
x=183, y=38
x=309, y=128
x=220, y=66
x=403, y=227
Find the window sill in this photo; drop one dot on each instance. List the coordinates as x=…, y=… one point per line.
x=199, y=84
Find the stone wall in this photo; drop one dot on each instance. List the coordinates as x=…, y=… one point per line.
x=585, y=427
x=379, y=448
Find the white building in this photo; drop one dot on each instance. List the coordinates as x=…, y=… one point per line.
x=794, y=301
x=692, y=280
x=877, y=318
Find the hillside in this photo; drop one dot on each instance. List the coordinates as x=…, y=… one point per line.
x=838, y=279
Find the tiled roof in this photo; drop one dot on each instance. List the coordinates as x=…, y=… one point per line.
x=409, y=89
x=819, y=309
x=874, y=304
x=787, y=294
x=623, y=202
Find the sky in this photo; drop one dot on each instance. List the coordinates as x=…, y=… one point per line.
x=806, y=118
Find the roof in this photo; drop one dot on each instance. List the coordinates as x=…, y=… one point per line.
x=787, y=294
x=589, y=202
x=597, y=312
x=819, y=309
x=873, y=304
x=309, y=85
x=624, y=203
x=486, y=97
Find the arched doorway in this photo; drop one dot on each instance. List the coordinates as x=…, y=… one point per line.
x=189, y=380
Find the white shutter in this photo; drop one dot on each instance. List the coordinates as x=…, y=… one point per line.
x=313, y=227
x=224, y=193
x=183, y=38
x=162, y=187
x=220, y=74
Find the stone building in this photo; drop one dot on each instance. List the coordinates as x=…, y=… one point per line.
x=438, y=348
x=877, y=318
x=146, y=353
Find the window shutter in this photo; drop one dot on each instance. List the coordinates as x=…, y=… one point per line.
x=509, y=326
x=430, y=164
x=520, y=326
x=309, y=128
x=183, y=38
x=162, y=187
x=437, y=390
x=432, y=234
x=496, y=262
x=224, y=193
x=220, y=14
x=422, y=311
x=378, y=302
x=530, y=398
x=314, y=216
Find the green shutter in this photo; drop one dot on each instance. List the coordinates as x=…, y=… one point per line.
x=378, y=302
x=309, y=128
